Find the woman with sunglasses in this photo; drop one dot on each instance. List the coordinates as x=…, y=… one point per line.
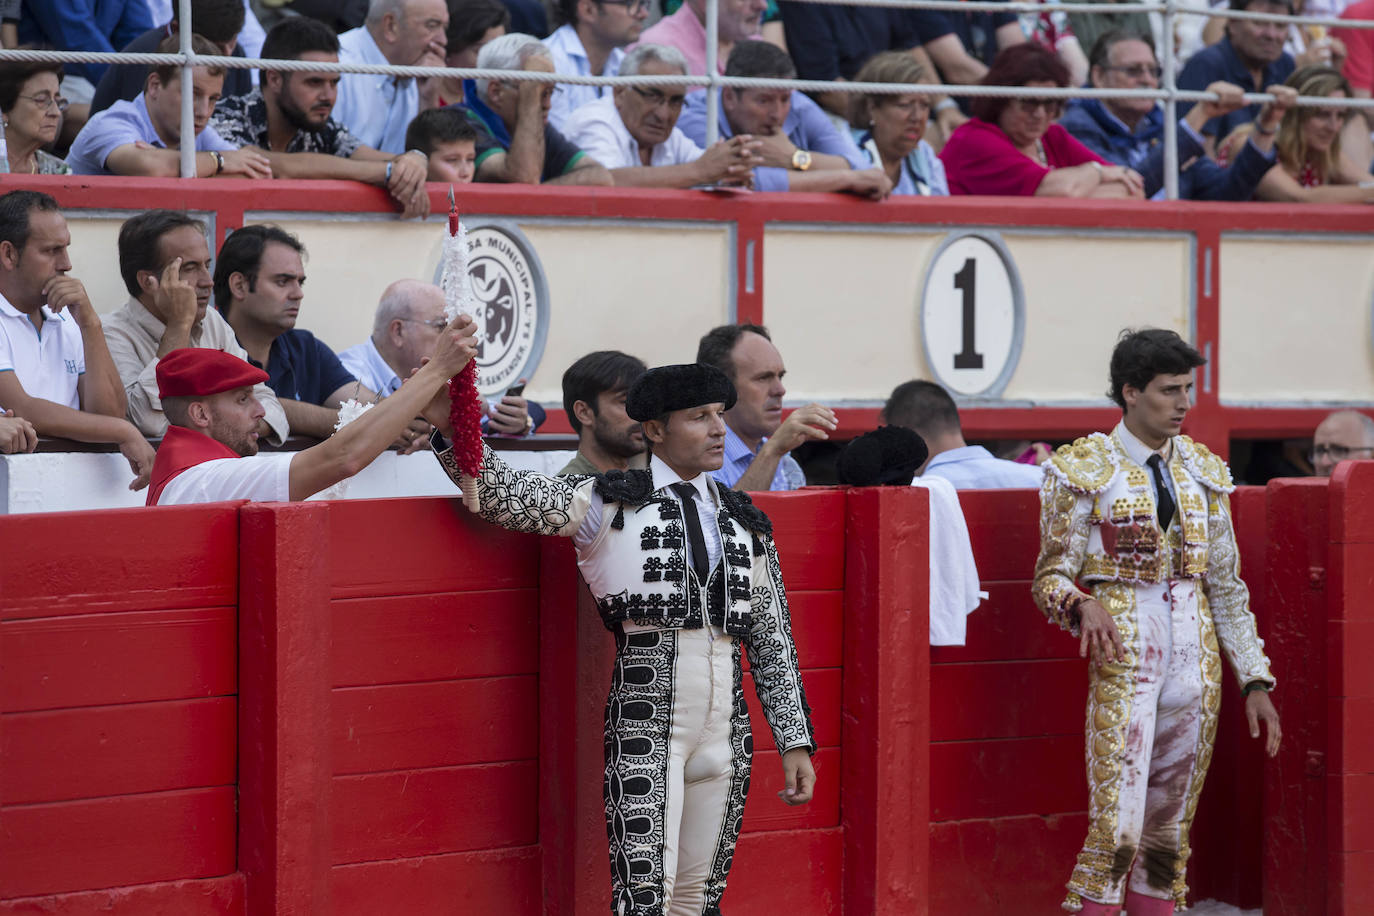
x=1311, y=166
x=32, y=115
x=890, y=128
x=1012, y=147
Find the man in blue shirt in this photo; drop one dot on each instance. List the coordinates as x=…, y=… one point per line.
x=1250, y=56
x=84, y=25
x=801, y=149
x=258, y=289
x=1130, y=132
x=929, y=410
x=758, y=441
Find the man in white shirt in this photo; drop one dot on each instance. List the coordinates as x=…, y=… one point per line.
x=590, y=43
x=55, y=368
x=633, y=132
x=165, y=262
x=929, y=410
x=408, y=33
x=210, y=452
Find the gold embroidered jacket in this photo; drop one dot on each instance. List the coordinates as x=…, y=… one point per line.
x=1098, y=523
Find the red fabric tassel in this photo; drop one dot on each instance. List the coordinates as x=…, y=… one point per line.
x=466, y=416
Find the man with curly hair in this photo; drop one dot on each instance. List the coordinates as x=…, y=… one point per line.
x=686, y=576
x=1142, y=518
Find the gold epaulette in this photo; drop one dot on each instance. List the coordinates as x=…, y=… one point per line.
x=1205, y=466
x=1087, y=466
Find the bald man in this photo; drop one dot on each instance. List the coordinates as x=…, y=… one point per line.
x=409, y=318
x=1343, y=434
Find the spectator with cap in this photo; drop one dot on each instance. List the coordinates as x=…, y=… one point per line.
x=633, y=132
x=801, y=149
x=1311, y=167
x=516, y=142
x=217, y=21
x=591, y=42
x=55, y=367
x=1341, y=435
x=1013, y=147
x=143, y=137
x=289, y=118
x=758, y=441
x=210, y=452
x=927, y=408
x=736, y=21
x=1129, y=132
x=594, y=392
x=164, y=260
x=377, y=108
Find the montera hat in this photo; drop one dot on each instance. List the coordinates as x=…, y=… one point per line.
x=197, y=372
x=667, y=388
x=887, y=456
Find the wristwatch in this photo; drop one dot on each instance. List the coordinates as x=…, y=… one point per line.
x=801, y=160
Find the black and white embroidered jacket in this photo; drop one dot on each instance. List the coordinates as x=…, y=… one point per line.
x=636, y=566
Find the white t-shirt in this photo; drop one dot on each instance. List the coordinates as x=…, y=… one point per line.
x=597, y=130
x=260, y=478
x=49, y=365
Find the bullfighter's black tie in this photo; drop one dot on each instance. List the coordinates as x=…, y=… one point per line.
x=1165, y=500
x=698, y=541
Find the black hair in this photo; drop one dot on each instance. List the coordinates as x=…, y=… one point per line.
x=139, y=238
x=469, y=20
x=15, y=208
x=761, y=60
x=1141, y=355
x=717, y=345
x=1246, y=4
x=438, y=125
x=297, y=35
x=241, y=253
x=1102, y=48
x=595, y=374
x=218, y=20
x=924, y=407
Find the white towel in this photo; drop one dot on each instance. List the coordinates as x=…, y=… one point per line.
x=954, y=585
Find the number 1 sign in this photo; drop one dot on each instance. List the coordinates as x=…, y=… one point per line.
x=972, y=314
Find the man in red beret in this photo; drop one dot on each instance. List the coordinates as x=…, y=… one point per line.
x=210, y=451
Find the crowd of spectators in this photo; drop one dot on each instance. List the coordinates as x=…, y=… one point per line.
x=396, y=132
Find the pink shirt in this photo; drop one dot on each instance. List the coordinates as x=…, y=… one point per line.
x=979, y=158
x=684, y=31
x=1359, y=46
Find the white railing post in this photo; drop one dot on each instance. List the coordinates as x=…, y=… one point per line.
x=712, y=71
x=188, y=118
x=1170, y=105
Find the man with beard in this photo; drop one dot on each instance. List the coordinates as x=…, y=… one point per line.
x=289, y=119
x=210, y=452
x=165, y=263
x=594, y=391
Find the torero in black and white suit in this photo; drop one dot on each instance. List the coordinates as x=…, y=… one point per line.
x=687, y=578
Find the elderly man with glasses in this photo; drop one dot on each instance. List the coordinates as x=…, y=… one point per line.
x=634, y=132
x=1343, y=435
x=1129, y=132
x=591, y=42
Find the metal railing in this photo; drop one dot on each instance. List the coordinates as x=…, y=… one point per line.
x=712, y=81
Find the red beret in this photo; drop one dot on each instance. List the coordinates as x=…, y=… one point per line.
x=193, y=372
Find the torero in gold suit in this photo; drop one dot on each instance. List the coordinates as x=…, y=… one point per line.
x=1142, y=518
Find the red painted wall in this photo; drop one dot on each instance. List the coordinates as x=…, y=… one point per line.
x=408, y=703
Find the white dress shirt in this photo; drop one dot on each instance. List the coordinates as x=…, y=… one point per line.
x=596, y=128
x=367, y=366
x=570, y=57
x=376, y=109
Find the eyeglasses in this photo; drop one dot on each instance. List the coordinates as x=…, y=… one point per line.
x=631, y=6
x=1053, y=107
x=1137, y=71
x=437, y=324
x=909, y=107
x=46, y=100
x=1338, y=452
x=656, y=98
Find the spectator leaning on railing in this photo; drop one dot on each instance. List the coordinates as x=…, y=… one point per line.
x=1130, y=132
x=591, y=42
x=889, y=128
x=801, y=148
x=143, y=137
x=288, y=118
x=1013, y=147
x=634, y=134
x=449, y=138
x=31, y=105
x=1311, y=167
